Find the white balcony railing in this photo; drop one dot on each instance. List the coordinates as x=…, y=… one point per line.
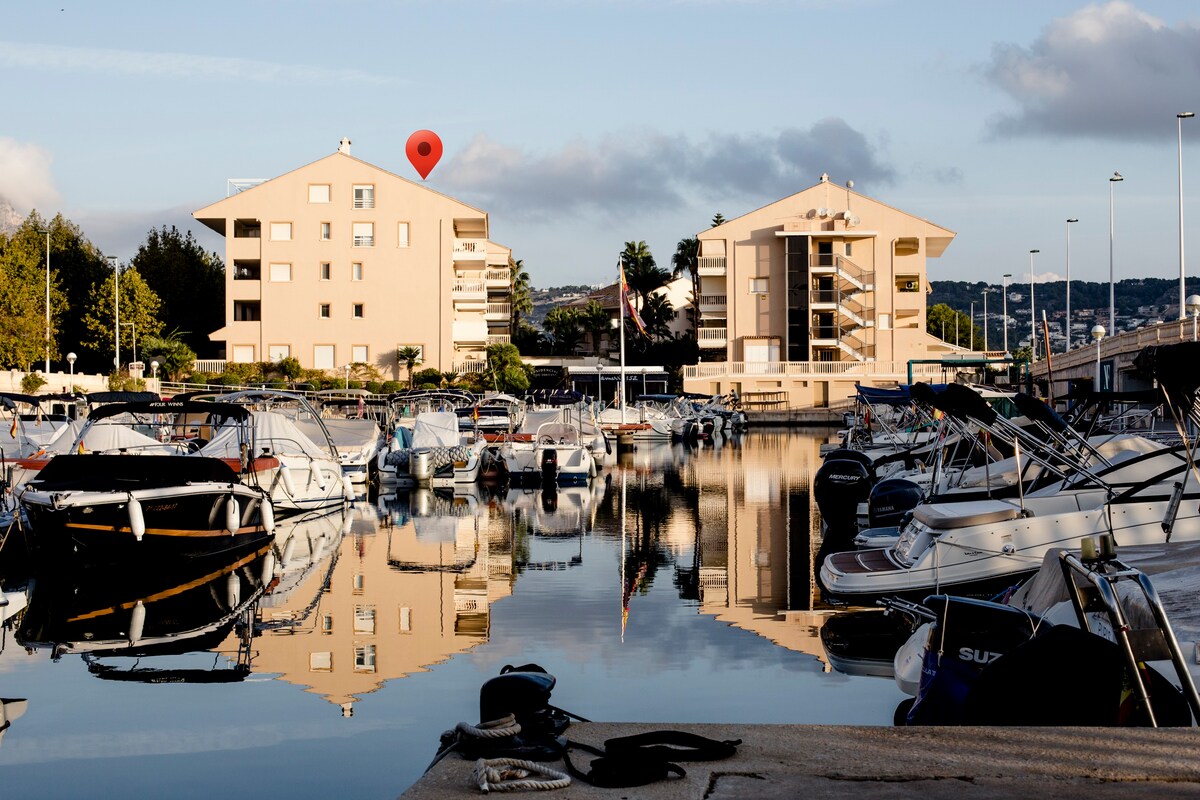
x=711, y=265
x=214, y=365
x=470, y=367
x=711, y=337
x=470, y=250
x=499, y=338
x=498, y=311
x=497, y=277
x=803, y=369
x=364, y=241
x=712, y=302
x=461, y=290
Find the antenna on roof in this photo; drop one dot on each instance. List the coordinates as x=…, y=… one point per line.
x=344, y=145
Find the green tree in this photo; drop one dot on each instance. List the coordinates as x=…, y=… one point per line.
x=563, y=324
x=940, y=321
x=173, y=355
x=410, y=357
x=687, y=260
x=139, y=307
x=657, y=314
x=449, y=378
x=189, y=282
x=508, y=373
x=23, y=276
x=520, y=291
x=595, y=319
x=718, y=219
x=643, y=275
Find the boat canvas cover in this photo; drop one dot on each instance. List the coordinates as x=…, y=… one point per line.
x=53, y=437
x=538, y=418
x=271, y=431
x=106, y=438
x=435, y=429
x=348, y=435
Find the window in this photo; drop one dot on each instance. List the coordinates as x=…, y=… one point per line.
x=278, y=352
x=358, y=354
x=327, y=623
x=849, y=248
x=359, y=583
x=318, y=193
x=402, y=235
x=247, y=310
x=364, y=619
x=405, y=619
x=885, y=322
x=326, y=271
x=364, y=234
x=323, y=356
x=326, y=231
x=359, y=311
x=320, y=662
x=364, y=195
x=323, y=311
x=356, y=271
x=908, y=283
x=243, y=353
x=281, y=273
x=364, y=658
x=281, y=231
x=759, y=285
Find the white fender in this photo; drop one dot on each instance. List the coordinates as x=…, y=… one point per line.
x=347, y=488
x=233, y=515
x=268, y=570
x=318, y=476
x=233, y=590
x=137, y=623
x=288, y=484
x=347, y=522
x=289, y=551
x=137, y=520
x=267, y=512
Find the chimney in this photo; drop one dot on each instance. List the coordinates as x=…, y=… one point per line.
x=344, y=146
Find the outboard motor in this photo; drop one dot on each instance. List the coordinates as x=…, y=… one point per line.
x=709, y=427
x=853, y=455
x=840, y=485
x=890, y=499
x=549, y=467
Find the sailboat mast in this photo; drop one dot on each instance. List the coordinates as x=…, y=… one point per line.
x=624, y=300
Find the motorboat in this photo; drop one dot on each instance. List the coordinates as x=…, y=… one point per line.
x=123, y=496
x=357, y=426
x=644, y=423
x=36, y=427
x=441, y=455
x=554, y=455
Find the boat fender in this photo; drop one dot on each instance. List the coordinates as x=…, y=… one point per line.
x=137, y=520
x=318, y=476
x=267, y=512
x=289, y=551
x=233, y=590
x=268, y=568
x=347, y=488
x=286, y=474
x=347, y=523
x=233, y=515
x=137, y=623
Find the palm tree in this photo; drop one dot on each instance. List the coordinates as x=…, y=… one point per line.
x=596, y=321
x=520, y=291
x=563, y=323
x=687, y=259
x=643, y=275
x=450, y=378
x=657, y=313
x=411, y=356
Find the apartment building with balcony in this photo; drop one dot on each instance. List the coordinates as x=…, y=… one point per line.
x=802, y=298
x=341, y=261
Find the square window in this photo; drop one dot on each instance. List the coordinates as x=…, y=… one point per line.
x=359, y=310
x=327, y=623
x=356, y=271
x=364, y=234
x=243, y=353
x=364, y=658
x=364, y=195
x=318, y=193
x=323, y=356
x=326, y=271
x=759, y=285
x=326, y=231
x=402, y=234
x=281, y=231
x=278, y=352
x=323, y=311
x=364, y=619
x=281, y=273
x=320, y=662
x=358, y=354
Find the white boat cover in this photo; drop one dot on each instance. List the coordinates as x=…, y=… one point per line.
x=348, y=435
x=102, y=438
x=436, y=429
x=535, y=419
x=271, y=430
x=949, y=516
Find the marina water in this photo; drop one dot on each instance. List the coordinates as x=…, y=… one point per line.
x=678, y=587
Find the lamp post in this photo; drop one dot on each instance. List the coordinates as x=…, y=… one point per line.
x=985, y=320
x=71, y=361
x=1032, y=312
x=1179, y=118
x=1112, y=283
x=112, y=260
x=47, y=232
x=1068, y=325
x=1004, y=289
x=154, y=369
x=1193, y=308
x=1098, y=334
x=972, y=324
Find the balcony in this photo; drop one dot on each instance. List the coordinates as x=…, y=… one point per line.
x=496, y=278
x=711, y=337
x=499, y=338
x=711, y=265
x=846, y=338
x=844, y=268
x=468, y=290
x=498, y=311
x=364, y=241
x=470, y=366
x=469, y=332
x=469, y=250
x=247, y=270
x=845, y=303
x=712, y=303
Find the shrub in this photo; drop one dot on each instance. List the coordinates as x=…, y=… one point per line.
x=32, y=382
x=391, y=386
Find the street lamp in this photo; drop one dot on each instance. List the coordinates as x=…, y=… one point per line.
x=154, y=369
x=112, y=260
x=1032, y=312
x=1068, y=325
x=985, y=341
x=1098, y=334
x=1179, y=118
x=1112, y=283
x=1193, y=308
x=1004, y=289
x=47, y=300
x=71, y=361
x=972, y=324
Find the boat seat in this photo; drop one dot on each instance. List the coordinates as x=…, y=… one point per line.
x=861, y=561
x=947, y=516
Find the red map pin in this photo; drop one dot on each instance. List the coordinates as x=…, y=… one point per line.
x=424, y=150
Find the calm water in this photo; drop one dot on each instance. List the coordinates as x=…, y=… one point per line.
x=656, y=595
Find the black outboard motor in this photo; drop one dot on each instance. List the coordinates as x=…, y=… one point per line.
x=890, y=499
x=840, y=485
x=853, y=455
x=549, y=467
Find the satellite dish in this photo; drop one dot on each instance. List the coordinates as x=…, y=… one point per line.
x=851, y=220
x=822, y=212
x=812, y=212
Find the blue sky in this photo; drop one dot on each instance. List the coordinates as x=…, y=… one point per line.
x=581, y=124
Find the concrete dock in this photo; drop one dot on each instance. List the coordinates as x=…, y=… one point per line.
x=862, y=763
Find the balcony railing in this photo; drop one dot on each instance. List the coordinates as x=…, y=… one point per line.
x=470, y=367
x=805, y=369
x=711, y=265
x=498, y=311
x=499, y=338
x=712, y=337
x=461, y=290
x=497, y=277
x=215, y=365
x=824, y=263
x=469, y=250
x=712, y=302
x=364, y=241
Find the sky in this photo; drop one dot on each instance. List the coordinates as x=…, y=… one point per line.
x=579, y=125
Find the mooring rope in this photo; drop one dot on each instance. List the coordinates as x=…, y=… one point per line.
x=514, y=774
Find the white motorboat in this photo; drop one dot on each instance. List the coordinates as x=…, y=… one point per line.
x=553, y=454
x=357, y=425
x=441, y=455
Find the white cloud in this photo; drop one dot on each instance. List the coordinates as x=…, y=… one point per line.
x=1105, y=71
x=25, y=179
x=1042, y=277
x=19, y=55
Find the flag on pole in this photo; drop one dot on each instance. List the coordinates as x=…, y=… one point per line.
x=628, y=301
x=13, y=431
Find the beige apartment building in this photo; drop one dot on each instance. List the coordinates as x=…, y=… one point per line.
x=342, y=262
x=811, y=294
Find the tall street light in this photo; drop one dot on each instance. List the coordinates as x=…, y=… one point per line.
x=1179, y=118
x=112, y=260
x=1032, y=310
x=1004, y=289
x=47, y=372
x=1068, y=325
x=1098, y=334
x=71, y=362
x=1112, y=283
x=985, y=341
x=972, y=324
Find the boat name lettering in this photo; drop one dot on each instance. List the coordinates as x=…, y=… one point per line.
x=163, y=507
x=979, y=657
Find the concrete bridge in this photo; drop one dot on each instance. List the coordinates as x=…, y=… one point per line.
x=1115, y=356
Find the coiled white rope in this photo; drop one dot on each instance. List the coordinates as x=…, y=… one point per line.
x=494, y=729
x=513, y=774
